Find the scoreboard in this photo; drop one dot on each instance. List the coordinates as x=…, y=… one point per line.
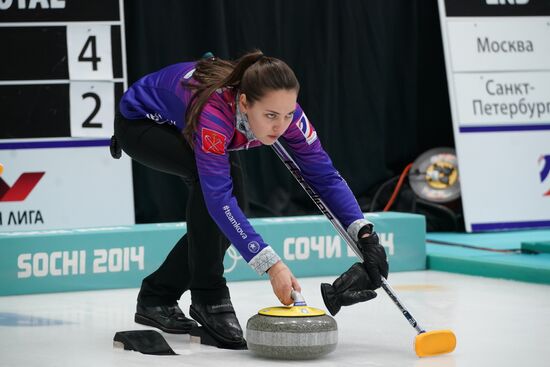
x=67, y=61
x=62, y=73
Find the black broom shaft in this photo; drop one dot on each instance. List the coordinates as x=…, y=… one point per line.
x=297, y=173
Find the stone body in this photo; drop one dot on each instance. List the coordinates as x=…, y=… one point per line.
x=279, y=337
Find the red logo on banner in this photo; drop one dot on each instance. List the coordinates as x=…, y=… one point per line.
x=21, y=188
x=212, y=141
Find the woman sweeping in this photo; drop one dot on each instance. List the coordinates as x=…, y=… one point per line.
x=188, y=119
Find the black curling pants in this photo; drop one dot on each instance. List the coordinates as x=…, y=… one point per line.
x=196, y=261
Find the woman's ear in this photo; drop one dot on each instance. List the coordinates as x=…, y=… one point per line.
x=243, y=105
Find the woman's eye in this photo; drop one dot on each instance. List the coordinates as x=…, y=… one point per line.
x=271, y=116
x=290, y=115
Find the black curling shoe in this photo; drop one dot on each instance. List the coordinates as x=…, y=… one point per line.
x=169, y=319
x=220, y=322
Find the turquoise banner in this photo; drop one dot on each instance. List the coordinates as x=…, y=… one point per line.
x=119, y=257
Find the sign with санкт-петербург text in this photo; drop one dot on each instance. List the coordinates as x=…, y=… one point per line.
x=497, y=59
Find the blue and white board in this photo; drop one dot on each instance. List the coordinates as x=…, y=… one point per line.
x=59, y=86
x=497, y=55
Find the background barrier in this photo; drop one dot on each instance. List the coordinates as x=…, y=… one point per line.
x=119, y=257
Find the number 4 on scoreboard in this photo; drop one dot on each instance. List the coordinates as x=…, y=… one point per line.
x=91, y=45
x=89, y=52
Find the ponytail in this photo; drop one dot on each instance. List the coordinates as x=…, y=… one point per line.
x=212, y=74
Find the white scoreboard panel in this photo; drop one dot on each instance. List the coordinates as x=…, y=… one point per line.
x=497, y=55
x=62, y=73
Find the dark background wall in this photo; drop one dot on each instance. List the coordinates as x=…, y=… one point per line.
x=372, y=76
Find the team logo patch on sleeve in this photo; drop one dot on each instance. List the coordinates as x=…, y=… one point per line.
x=212, y=141
x=306, y=129
x=253, y=247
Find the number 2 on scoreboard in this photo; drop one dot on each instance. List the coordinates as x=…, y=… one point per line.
x=92, y=106
x=88, y=122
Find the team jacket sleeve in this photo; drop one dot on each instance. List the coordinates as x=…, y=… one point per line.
x=319, y=172
x=210, y=146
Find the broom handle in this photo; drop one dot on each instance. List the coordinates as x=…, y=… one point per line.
x=297, y=173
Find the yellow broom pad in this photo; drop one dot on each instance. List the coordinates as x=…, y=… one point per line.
x=434, y=342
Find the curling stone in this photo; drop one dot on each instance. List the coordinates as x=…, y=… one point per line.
x=296, y=332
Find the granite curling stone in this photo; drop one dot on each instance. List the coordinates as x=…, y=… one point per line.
x=297, y=332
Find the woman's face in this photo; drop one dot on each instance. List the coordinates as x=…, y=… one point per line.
x=270, y=116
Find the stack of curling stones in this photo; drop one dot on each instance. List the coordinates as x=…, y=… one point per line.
x=296, y=332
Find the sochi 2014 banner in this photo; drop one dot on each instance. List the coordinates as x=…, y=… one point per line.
x=497, y=55
x=109, y=257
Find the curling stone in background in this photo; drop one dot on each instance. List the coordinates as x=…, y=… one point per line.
x=434, y=176
x=296, y=332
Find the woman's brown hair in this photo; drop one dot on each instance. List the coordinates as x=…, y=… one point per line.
x=253, y=74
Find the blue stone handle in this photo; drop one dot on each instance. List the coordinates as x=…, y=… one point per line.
x=299, y=300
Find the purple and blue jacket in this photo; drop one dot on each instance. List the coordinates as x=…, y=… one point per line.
x=163, y=97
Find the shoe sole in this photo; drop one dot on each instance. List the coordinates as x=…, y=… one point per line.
x=196, y=316
x=143, y=320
